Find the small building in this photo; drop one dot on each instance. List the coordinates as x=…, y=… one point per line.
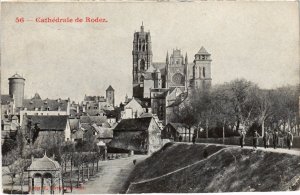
x=141, y=135
x=51, y=107
x=132, y=110
x=105, y=134
x=50, y=127
x=173, y=131
x=44, y=176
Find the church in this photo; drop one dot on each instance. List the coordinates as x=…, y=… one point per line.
x=163, y=85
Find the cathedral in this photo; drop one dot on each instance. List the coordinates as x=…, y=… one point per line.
x=162, y=85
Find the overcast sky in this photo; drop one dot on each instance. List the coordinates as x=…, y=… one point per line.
x=258, y=41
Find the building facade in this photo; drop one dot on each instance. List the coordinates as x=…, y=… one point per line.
x=156, y=81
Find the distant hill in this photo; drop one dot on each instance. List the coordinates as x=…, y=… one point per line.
x=183, y=168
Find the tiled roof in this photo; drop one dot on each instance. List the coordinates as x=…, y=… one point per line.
x=53, y=105
x=98, y=120
x=47, y=122
x=136, y=124
x=6, y=99
x=110, y=88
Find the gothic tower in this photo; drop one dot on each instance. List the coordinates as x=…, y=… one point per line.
x=202, y=70
x=176, y=70
x=142, y=60
x=110, y=96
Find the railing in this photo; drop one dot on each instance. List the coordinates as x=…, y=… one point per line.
x=249, y=141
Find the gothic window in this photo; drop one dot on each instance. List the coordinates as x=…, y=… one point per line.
x=203, y=71
x=143, y=47
x=142, y=64
x=200, y=73
x=178, y=79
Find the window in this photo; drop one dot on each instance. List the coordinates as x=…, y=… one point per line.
x=203, y=71
x=142, y=64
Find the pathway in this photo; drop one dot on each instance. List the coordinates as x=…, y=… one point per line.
x=111, y=178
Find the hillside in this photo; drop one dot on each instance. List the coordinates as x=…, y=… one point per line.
x=184, y=169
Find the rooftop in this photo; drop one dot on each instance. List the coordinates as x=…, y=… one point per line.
x=16, y=76
x=44, y=163
x=136, y=124
x=47, y=122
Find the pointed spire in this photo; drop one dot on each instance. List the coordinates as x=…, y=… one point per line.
x=186, y=58
x=167, y=58
x=142, y=27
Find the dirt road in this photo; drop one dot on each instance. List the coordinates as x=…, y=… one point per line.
x=111, y=178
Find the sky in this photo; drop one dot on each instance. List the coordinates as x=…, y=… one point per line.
x=258, y=41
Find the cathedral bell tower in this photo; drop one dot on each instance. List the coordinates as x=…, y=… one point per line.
x=202, y=70
x=142, y=60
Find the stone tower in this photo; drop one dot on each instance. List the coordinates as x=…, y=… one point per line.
x=142, y=60
x=176, y=70
x=202, y=70
x=110, y=96
x=16, y=89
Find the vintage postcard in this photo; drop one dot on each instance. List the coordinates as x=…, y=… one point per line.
x=150, y=97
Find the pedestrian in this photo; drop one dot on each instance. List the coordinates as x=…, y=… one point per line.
x=194, y=139
x=289, y=139
x=255, y=139
x=242, y=138
x=180, y=138
x=275, y=138
x=266, y=140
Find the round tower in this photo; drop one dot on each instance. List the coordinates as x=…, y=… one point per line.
x=16, y=89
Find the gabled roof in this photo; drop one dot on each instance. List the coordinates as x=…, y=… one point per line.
x=110, y=88
x=136, y=124
x=46, y=122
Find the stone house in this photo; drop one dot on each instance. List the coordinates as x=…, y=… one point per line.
x=141, y=135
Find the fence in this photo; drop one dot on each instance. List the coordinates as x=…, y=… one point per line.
x=248, y=141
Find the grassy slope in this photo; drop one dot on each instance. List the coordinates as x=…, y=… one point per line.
x=233, y=169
